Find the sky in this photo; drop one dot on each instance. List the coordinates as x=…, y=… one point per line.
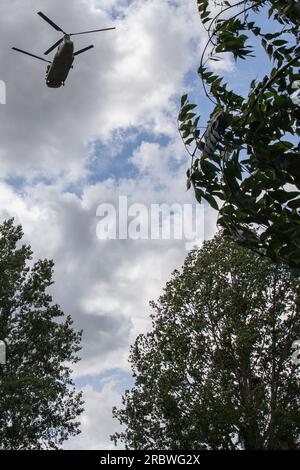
x=111, y=132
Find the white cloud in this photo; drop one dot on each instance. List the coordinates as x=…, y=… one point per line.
x=131, y=80
x=97, y=423
x=105, y=285
x=128, y=79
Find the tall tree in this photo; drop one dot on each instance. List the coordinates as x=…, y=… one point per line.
x=216, y=372
x=246, y=163
x=38, y=401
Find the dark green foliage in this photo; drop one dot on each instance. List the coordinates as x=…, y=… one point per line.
x=38, y=402
x=251, y=168
x=215, y=372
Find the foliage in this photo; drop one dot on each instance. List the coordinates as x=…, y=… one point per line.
x=215, y=372
x=247, y=164
x=38, y=401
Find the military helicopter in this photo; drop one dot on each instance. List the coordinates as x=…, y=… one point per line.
x=59, y=68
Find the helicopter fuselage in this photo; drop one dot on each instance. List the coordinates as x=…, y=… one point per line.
x=58, y=71
x=59, y=68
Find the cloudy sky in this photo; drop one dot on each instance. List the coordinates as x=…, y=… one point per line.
x=110, y=132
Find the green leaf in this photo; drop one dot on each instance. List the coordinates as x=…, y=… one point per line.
x=183, y=99
x=211, y=200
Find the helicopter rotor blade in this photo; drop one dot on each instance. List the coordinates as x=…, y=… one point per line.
x=54, y=46
x=50, y=22
x=83, y=50
x=93, y=31
x=31, y=55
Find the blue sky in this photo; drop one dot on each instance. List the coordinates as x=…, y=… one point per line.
x=110, y=131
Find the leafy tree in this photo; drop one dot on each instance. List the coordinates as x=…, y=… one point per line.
x=38, y=401
x=216, y=372
x=246, y=163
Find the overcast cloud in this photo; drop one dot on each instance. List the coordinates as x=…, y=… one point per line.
x=110, y=131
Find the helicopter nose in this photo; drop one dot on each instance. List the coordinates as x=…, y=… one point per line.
x=68, y=43
x=67, y=39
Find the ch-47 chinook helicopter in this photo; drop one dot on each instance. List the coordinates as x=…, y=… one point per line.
x=58, y=69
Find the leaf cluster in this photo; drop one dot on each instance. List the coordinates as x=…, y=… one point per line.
x=251, y=174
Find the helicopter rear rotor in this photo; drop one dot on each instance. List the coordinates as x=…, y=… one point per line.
x=58, y=28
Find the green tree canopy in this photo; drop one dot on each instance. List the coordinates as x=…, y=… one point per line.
x=246, y=163
x=216, y=372
x=38, y=401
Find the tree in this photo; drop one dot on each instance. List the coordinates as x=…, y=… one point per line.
x=246, y=163
x=215, y=371
x=38, y=401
